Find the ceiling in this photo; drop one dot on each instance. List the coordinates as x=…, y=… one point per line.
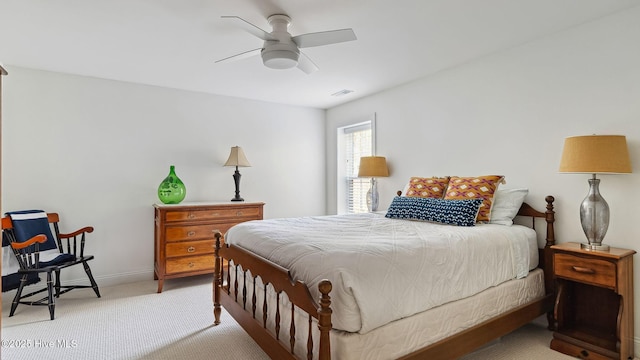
x=175, y=43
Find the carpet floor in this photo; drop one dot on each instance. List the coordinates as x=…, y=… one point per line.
x=132, y=321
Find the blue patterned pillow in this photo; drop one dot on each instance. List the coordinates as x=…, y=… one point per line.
x=452, y=212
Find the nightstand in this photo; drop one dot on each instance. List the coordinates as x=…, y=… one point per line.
x=594, y=302
x=184, y=235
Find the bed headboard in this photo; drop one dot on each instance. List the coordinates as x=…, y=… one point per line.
x=548, y=215
x=545, y=254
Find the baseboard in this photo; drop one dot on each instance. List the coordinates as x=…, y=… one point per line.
x=113, y=279
x=123, y=278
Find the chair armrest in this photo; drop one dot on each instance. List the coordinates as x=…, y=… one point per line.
x=21, y=245
x=86, y=229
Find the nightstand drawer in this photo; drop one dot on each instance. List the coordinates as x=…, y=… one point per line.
x=591, y=271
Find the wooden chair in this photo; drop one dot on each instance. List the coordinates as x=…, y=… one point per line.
x=28, y=253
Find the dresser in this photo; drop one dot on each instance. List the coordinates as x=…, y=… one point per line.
x=184, y=235
x=594, y=302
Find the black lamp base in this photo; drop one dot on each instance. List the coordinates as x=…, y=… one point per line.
x=236, y=179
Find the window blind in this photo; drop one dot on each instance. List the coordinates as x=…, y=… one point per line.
x=357, y=143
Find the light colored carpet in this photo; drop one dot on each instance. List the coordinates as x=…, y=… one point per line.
x=132, y=321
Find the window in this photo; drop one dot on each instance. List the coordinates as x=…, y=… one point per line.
x=354, y=142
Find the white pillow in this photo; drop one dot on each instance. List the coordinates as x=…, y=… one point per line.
x=506, y=203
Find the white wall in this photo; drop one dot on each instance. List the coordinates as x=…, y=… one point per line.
x=96, y=150
x=509, y=113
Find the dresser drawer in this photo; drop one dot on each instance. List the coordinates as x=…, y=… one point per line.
x=195, y=215
x=190, y=264
x=194, y=232
x=586, y=270
x=185, y=248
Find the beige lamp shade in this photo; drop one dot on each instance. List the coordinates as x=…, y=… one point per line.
x=595, y=154
x=237, y=158
x=373, y=166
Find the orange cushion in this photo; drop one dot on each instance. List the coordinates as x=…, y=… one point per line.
x=432, y=187
x=480, y=187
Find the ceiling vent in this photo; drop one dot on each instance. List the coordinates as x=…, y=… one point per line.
x=342, y=92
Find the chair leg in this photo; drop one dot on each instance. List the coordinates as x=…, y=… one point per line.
x=16, y=299
x=94, y=285
x=57, y=283
x=52, y=299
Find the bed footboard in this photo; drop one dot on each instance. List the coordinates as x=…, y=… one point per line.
x=243, y=309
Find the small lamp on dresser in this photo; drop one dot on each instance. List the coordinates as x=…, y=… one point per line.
x=237, y=158
x=595, y=154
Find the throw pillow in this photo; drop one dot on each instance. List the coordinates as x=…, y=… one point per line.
x=431, y=187
x=479, y=187
x=506, y=203
x=451, y=212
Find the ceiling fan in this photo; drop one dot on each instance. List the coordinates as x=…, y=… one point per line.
x=281, y=50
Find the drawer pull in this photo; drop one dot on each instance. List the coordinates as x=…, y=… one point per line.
x=584, y=353
x=191, y=233
x=583, y=270
x=191, y=249
x=191, y=215
x=238, y=213
x=192, y=264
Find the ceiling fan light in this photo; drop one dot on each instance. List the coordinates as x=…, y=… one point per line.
x=280, y=59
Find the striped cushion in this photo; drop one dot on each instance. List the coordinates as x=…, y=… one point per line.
x=29, y=223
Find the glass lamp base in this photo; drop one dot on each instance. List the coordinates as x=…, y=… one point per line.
x=594, y=217
x=601, y=247
x=372, y=197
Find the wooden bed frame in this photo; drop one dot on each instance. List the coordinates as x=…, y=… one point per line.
x=242, y=306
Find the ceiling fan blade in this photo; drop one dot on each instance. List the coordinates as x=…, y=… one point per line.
x=306, y=64
x=242, y=55
x=324, y=38
x=249, y=27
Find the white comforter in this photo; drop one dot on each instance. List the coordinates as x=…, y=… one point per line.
x=386, y=269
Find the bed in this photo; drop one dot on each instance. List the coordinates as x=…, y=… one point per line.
x=293, y=309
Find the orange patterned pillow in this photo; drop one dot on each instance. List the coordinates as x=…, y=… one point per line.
x=432, y=187
x=481, y=187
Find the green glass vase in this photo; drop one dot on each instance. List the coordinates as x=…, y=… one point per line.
x=172, y=189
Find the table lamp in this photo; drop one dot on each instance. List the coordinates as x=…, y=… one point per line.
x=237, y=158
x=373, y=166
x=595, y=154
